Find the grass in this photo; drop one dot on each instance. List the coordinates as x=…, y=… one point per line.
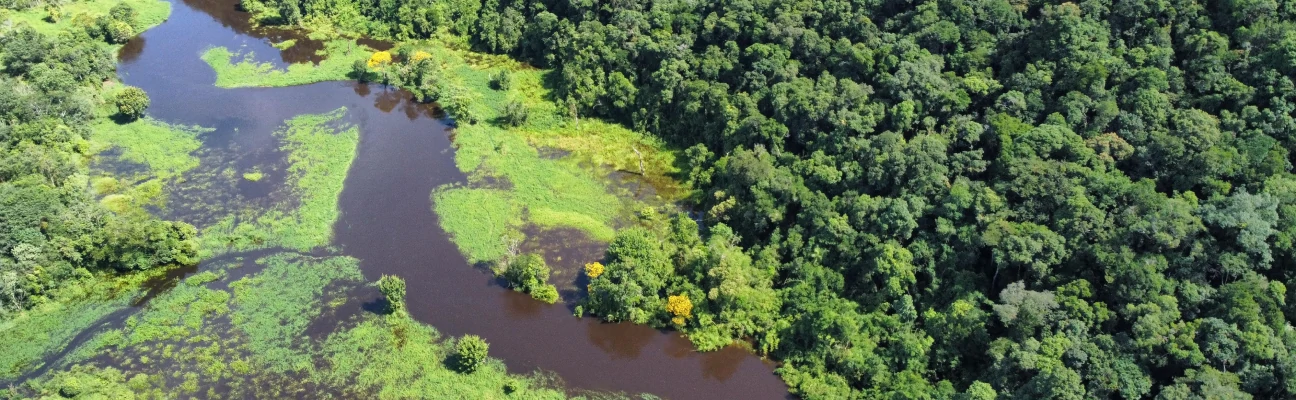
x=340, y=55
x=480, y=221
x=320, y=149
x=151, y=13
x=166, y=149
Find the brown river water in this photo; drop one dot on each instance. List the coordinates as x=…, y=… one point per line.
x=387, y=220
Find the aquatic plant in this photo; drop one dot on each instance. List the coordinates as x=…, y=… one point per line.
x=339, y=55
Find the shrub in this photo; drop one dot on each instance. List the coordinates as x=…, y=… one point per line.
x=546, y=293
x=470, y=352
x=515, y=113
x=118, y=32
x=501, y=80
x=528, y=273
x=125, y=13
x=393, y=288
x=132, y=102
x=379, y=59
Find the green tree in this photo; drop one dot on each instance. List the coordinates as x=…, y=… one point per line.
x=470, y=353
x=393, y=288
x=132, y=102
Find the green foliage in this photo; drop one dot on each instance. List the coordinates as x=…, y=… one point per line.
x=528, y=273
x=515, y=113
x=393, y=288
x=132, y=102
x=275, y=307
x=470, y=353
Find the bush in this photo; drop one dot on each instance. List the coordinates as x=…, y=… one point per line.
x=528, y=273
x=360, y=71
x=125, y=13
x=118, y=32
x=546, y=293
x=515, y=113
x=501, y=80
x=470, y=352
x=132, y=102
x=393, y=288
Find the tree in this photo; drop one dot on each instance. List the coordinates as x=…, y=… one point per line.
x=528, y=273
x=125, y=13
x=470, y=353
x=118, y=32
x=379, y=59
x=393, y=288
x=132, y=102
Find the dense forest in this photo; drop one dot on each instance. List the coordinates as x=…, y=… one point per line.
x=53, y=231
x=930, y=199
x=896, y=199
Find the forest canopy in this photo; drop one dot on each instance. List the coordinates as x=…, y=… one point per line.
x=929, y=199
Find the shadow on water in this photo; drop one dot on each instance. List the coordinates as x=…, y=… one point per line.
x=387, y=221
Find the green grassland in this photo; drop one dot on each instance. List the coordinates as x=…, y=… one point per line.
x=246, y=72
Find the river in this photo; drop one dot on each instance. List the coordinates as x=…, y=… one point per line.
x=387, y=220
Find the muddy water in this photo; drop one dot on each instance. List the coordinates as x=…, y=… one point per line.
x=387, y=222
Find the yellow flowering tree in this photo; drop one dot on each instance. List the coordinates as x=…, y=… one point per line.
x=380, y=59
x=681, y=307
x=420, y=56
x=594, y=269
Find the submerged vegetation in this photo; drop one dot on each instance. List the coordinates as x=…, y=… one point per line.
x=234, y=71
x=319, y=150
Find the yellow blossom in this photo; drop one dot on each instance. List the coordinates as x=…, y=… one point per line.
x=594, y=269
x=681, y=307
x=379, y=59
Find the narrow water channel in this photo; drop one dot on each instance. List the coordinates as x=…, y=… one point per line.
x=387, y=220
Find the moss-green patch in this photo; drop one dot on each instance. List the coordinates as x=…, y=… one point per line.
x=49, y=327
x=339, y=54
x=254, y=176
x=274, y=307
x=480, y=221
x=320, y=149
x=285, y=45
x=151, y=13
x=166, y=149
